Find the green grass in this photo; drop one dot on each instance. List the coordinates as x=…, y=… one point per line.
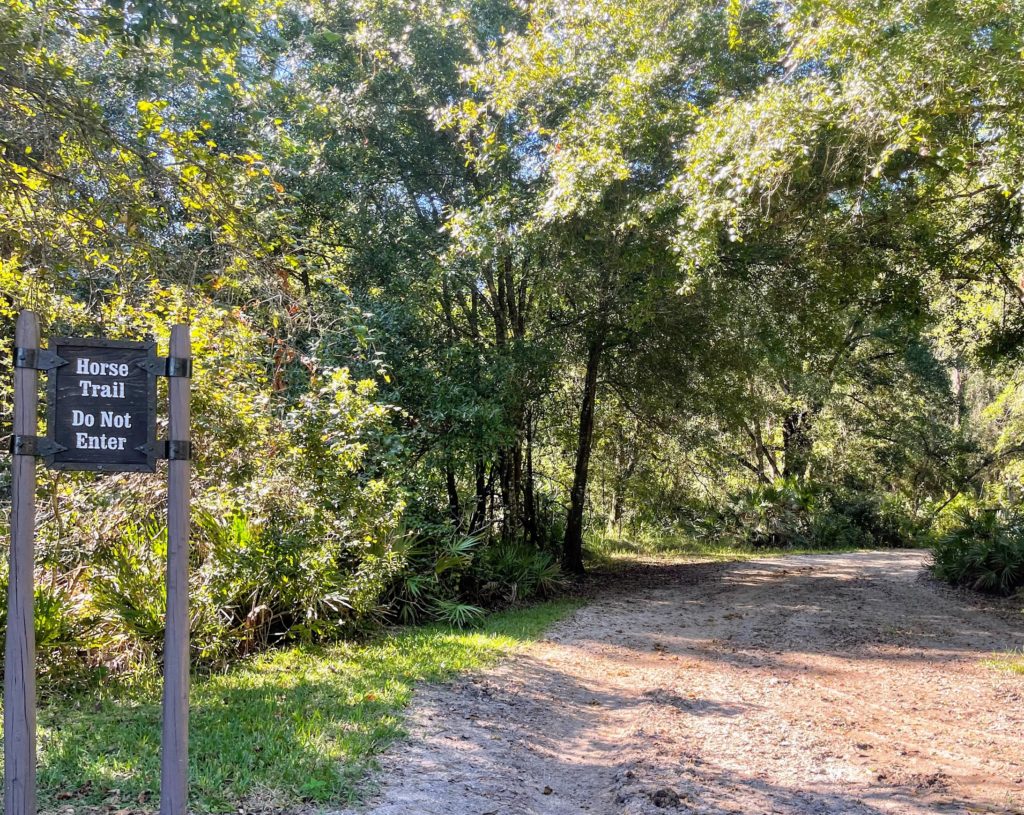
x=290, y=727
x=609, y=550
x=1012, y=662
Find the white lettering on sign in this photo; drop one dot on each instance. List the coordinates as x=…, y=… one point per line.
x=104, y=406
x=80, y=418
x=84, y=441
x=110, y=419
x=90, y=368
x=115, y=390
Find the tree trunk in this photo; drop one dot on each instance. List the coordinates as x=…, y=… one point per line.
x=480, y=508
x=797, y=443
x=529, y=498
x=626, y=461
x=517, y=489
x=572, y=553
x=509, y=465
x=618, y=505
x=454, y=506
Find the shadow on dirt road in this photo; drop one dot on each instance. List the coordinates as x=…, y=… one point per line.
x=821, y=684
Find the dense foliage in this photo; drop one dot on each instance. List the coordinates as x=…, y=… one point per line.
x=983, y=549
x=469, y=280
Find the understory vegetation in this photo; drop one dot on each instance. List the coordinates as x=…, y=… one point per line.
x=474, y=284
x=1014, y=663
x=983, y=548
x=292, y=727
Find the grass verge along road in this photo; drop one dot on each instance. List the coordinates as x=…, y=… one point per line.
x=293, y=726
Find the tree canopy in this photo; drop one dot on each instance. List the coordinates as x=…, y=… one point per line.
x=476, y=285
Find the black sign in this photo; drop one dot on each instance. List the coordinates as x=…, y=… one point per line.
x=102, y=405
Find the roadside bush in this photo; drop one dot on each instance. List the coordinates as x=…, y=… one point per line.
x=128, y=583
x=510, y=572
x=284, y=578
x=127, y=592
x=60, y=633
x=294, y=520
x=253, y=584
x=429, y=585
x=873, y=521
x=788, y=514
x=983, y=548
x=61, y=630
x=776, y=515
x=454, y=578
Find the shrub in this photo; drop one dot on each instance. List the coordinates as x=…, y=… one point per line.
x=61, y=630
x=128, y=582
x=454, y=578
x=983, y=548
x=429, y=585
x=60, y=633
x=252, y=584
x=776, y=515
x=289, y=577
x=870, y=520
x=270, y=580
x=296, y=503
x=789, y=514
x=510, y=572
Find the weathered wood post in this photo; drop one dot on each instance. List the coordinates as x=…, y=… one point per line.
x=174, y=762
x=20, y=649
x=101, y=417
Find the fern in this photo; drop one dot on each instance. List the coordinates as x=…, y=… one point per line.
x=460, y=615
x=983, y=549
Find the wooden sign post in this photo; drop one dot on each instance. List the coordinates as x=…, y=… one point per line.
x=20, y=648
x=101, y=416
x=174, y=748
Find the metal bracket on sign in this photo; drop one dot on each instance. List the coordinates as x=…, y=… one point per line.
x=178, y=450
x=180, y=367
x=169, y=450
x=36, y=446
x=167, y=366
x=38, y=359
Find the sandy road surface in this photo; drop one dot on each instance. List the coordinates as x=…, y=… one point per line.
x=824, y=684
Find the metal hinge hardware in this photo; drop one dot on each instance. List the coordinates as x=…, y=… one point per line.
x=168, y=450
x=36, y=446
x=168, y=366
x=38, y=359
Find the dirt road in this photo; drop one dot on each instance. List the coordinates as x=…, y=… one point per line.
x=824, y=684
